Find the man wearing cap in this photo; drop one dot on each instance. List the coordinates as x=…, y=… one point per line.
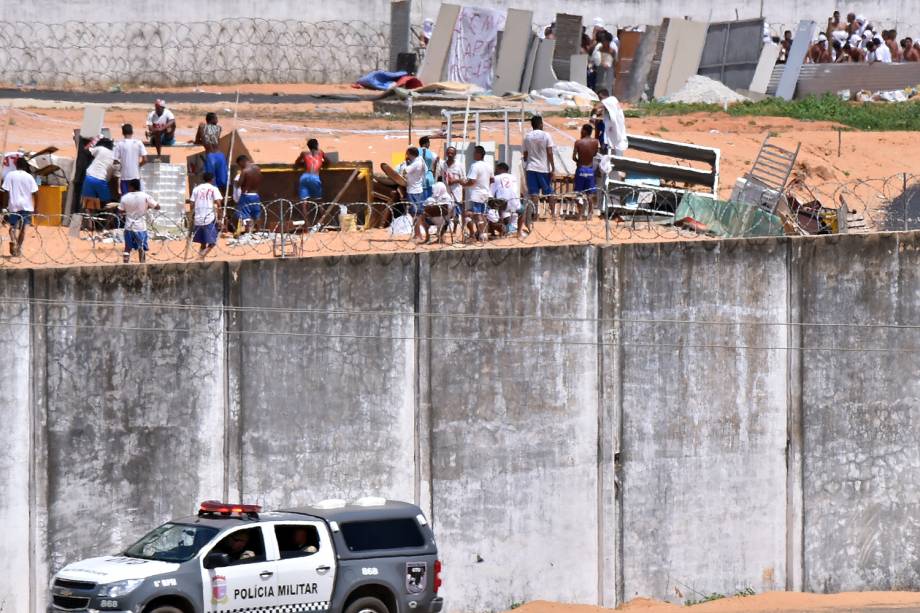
x=161, y=126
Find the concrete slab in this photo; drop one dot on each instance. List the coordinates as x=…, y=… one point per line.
x=513, y=52
x=16, y=460
x=399, y=30
x=568, y=43
x=790, y=77
x=532, y=50
x=295, y=453
x=514, y=457
x=680, y=58
x=93, y=120
x=640, y=69
x=543, y=73
x=578, y=69
x=768, y=57
x=435, y=63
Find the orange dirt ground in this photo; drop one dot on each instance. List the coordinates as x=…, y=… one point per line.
x=277, y=132
x=771, y=602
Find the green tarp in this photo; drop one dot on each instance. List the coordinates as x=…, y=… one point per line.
x=728, y=219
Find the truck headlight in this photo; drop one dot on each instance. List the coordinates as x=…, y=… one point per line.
x=119, y=588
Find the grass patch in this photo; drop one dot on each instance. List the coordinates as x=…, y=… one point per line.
x=868, y=116
x=716, y=596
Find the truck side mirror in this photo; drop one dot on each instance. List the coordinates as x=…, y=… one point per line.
x=216, y=560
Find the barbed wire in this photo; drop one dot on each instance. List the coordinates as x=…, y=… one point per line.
x=87, y=54
x=288, y=228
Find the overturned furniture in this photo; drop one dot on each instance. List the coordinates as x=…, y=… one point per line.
x=635, y=185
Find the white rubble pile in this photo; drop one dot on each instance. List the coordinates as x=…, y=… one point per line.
x=703, y=90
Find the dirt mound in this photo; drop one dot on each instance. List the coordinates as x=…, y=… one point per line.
x=771, y=602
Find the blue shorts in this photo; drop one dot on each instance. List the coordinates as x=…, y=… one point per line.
x=477, y=208
x=19, y=218
x=539, y=182
x=167, y=140
x=135, y=241
x=250, y=207
x=584, y=179
x=206, y=234
x=216, y=164
x=96, y=188
x=311, y=188
x=416, y=203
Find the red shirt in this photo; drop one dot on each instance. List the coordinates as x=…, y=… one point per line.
x=313, y=162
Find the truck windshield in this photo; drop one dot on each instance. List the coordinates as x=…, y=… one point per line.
x=172, y=543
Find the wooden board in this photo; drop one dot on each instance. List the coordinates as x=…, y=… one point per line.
x=680, y=59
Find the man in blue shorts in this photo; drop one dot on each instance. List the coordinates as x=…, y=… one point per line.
x=20, y=185
x=538, y=162
x=204, y=201
x=248, y=202
x=583, y=154
x=479, y=180
x=96, y=181
x=135, y=205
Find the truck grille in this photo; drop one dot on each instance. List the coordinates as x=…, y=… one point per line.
x=74, y=585
x=70, y=602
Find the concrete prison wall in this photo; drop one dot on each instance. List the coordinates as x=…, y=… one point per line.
x=94, y=43
x=581, y=424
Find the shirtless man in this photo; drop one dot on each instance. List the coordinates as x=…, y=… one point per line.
x=909, y=52
x=583, y=154
x=891, y=41
x=247, y=194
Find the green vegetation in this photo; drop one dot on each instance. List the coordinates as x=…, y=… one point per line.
x=716, y=596
x=872, y=116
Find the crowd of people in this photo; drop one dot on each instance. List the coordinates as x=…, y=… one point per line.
x=854, y=39
x=484, y=200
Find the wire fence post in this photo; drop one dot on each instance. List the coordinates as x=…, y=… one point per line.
x=906, y=197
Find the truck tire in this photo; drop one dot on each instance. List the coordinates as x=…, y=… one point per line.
x=165, y=609
x=368, y=604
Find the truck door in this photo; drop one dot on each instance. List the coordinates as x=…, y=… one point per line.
x=306, y=565
x=249, y=582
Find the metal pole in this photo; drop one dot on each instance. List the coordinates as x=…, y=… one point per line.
x=223, y=217
x=450, y=129
x=507, y=140
x=478, y=129
x=906, y=197
x=283, y=202
x=410, y=119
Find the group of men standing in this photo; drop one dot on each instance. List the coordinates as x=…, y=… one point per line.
x=493, y=202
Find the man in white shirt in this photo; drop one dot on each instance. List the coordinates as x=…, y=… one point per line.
x=204, y=201
x=538, y=161
x=20, y=185
x=415, y=180
x=96, y=181
x=452, y=174
x=478, y=181
x=135, y=205
x=161, y=126
x=505, y=187
x=130, y=154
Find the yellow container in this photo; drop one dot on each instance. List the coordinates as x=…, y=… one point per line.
x=49, y=205
x=348, y=222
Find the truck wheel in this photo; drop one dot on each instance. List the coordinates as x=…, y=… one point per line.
x=368, y=604
x=165, y=609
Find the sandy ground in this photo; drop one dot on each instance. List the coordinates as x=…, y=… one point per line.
x=772, y=602
x=278, y=132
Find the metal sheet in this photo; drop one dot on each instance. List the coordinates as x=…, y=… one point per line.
x=629, y=45
x=732, y=51
x=435, y=63
x=817, y=79
x=680, y=58
x=513, y=52
x=793, y=66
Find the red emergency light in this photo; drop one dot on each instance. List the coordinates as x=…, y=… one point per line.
x=215, y=507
